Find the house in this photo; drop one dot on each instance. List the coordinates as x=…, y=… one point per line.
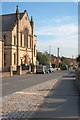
x=56, y=61
x=19, y=39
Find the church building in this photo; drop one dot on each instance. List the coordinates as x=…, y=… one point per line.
x=19, y=39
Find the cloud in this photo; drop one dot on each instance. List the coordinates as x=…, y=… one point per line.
x=58, y=26
x=58, y=31
x=67, y=41
x=60, y=35
x=68, y=46
x=63, y=19
x=57, y=20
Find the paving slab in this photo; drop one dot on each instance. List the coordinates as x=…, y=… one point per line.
x=22, y=104
x=61, y=103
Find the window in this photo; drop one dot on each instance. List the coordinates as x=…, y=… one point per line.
x=30, y=42
x=4, y=56
x=21, y=39
x=14, y=40
x=26, y=38
x=34, y=50
x=25, y=18
x=4, y=59
x=4, y=37
x=21, y=61
x=14, y=58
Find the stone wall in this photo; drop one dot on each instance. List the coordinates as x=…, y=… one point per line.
x=5, y=74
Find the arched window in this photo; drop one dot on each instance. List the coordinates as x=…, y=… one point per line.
x=14, y=40
x=30, y=42
x=4, y=37
x=4, y=59
x=26, y=38
x=34, y=50
x=14, y=58
x=4, y=56
x=21, y=39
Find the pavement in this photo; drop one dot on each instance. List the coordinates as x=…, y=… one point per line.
x=50, y=100
x=62, y=102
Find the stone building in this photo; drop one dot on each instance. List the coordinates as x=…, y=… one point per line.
x=1, y=53
x=19, y=39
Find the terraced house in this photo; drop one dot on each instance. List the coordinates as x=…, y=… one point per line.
x=19, y=39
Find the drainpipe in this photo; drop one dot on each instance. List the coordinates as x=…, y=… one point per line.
x=17, y=18
x=32, y=25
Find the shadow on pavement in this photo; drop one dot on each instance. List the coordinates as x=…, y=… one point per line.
x=62, y=103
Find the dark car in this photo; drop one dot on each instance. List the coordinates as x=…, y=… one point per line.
x=42, y=69
x=64, y=67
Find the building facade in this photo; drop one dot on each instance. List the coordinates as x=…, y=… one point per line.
x=19, y=39
x=1, y=54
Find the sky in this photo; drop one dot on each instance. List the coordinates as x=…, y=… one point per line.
x=40, y=0
x=56, y=24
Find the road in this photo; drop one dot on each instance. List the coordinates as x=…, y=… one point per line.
x=20, y=82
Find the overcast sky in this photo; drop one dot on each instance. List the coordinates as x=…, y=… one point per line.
x=56, y=24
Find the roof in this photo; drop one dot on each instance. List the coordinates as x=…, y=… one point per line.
x=9, y=20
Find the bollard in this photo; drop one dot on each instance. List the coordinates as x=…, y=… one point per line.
x=11, y=71
x=34, y=68
x=30, y=68
x=19, y=70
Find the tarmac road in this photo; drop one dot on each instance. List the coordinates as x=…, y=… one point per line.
x=20, y=82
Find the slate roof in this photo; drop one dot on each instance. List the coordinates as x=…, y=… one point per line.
x=9, y=20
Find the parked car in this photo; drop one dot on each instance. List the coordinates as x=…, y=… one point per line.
x=47, y=69
x=74, y=67
x=42, y=69
x=50, y=68
x=64, y=67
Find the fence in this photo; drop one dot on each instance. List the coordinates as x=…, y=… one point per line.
x=9, y=71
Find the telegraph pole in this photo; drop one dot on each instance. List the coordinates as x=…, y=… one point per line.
x=58, y=53
x=58, y=57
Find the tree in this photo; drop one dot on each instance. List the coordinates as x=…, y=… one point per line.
x=43, y=58
x=66, y=61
